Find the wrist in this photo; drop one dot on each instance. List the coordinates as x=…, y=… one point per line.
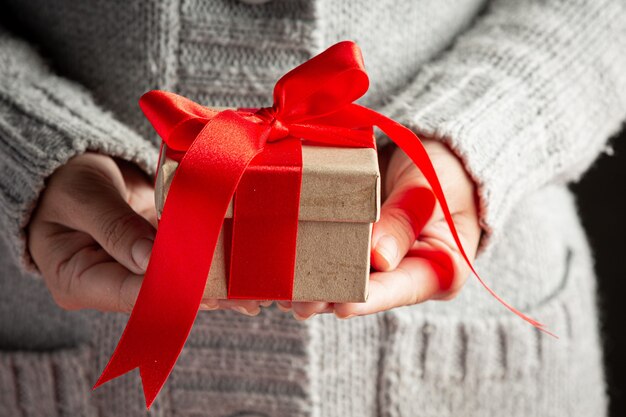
x=438, y=148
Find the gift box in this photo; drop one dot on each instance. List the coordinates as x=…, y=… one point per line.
x=339, y=202
x=300, y=217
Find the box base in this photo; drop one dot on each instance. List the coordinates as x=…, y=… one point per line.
x=332, y=263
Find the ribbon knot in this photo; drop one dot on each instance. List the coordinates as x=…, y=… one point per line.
x=278, y=130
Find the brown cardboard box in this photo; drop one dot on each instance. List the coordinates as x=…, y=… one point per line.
x=340, y=199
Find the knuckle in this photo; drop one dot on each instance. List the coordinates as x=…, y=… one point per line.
x=417, y=296
x=56, y=273
x=116, y=229
x=386, y=301
x=76, y=185
x=460, y=273
x=62, y=297
x=401, y=224
x=62, y=283
x=414, y=293
x=124, y=304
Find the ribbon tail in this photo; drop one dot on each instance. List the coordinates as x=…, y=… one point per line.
x=154, y=366
x=408, y=141
x=192, y=218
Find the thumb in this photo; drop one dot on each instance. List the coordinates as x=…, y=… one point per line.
x=123, y=233
x=403, y=216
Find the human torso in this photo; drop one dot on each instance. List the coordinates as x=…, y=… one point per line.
x=230, y=53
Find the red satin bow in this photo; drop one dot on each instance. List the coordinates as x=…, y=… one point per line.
x=313, y=102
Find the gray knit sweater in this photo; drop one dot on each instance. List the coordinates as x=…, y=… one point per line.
x=526, y=93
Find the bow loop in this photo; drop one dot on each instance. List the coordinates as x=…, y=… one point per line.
x=175, y=118
x=321, y=86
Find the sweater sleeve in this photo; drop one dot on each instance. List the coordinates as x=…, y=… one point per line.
x=44, y=121
x=528, y=96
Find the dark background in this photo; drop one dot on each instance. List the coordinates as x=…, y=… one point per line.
x=602, y=204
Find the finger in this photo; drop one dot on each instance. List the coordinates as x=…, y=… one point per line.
x=415, y=280
x=151, y=216
x=305, y=310
x=247, y=307
x=209, y=304
x=403, y=215
x=123, y=233
x=51, y=244
x=79, y=273
x=91, y=279
x=141, y=200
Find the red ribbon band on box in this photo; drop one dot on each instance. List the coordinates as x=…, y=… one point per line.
x=258, y=154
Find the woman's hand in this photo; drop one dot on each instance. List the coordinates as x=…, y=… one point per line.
x=92, y=234
x=413, y=250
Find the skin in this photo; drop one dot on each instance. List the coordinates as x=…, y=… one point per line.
x=414, y=254
x=93, y=228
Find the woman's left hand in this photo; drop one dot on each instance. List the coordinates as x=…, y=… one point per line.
x=413, y=251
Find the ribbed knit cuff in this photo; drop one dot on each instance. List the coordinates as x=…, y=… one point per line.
x=44, y=121
x=531, y=106
x=45, y=384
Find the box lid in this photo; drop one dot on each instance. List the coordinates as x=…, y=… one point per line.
x=338, y=184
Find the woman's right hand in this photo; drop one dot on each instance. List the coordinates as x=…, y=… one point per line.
x=92, y=233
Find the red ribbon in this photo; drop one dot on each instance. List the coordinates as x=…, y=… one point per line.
x=257, y=154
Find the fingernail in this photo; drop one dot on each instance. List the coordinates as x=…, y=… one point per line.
x=267, y=303
x=243, y=310
x=387, y=247
x=344, y=317
x=301, y=318
x=140, y=252
x=283, y=307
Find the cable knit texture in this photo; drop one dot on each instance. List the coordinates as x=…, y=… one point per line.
x=526, y=94
x=532, y=90
x=45, y=121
